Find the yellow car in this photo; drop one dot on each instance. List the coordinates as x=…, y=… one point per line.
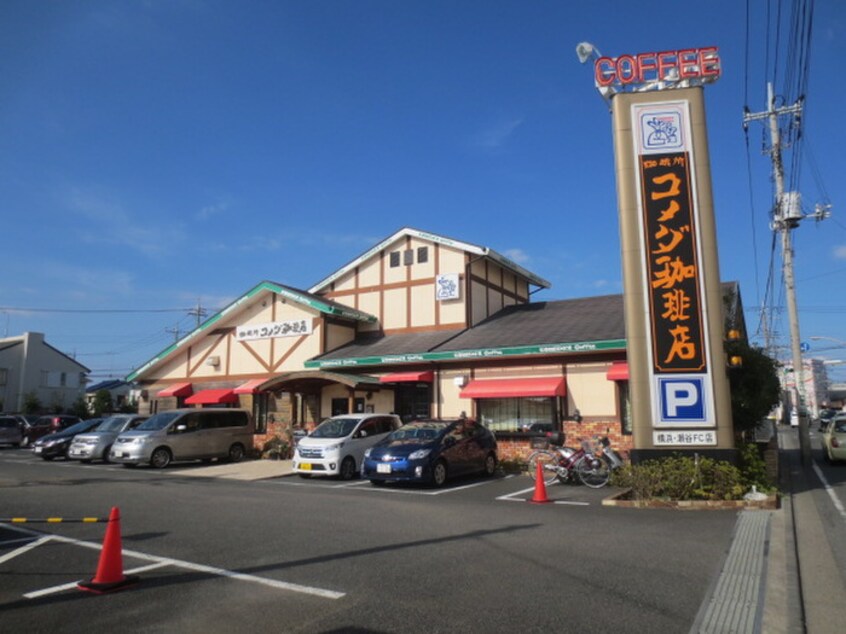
x=834, y=439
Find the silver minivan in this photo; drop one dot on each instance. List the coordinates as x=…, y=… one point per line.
x=96, y=444
x=186, y=434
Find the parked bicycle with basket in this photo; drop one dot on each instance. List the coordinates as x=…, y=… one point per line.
x=591, y=464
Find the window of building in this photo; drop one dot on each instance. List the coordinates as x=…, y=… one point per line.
x=518, y=414
x=408, y=257
x=63, y=379
x=422, y=255
x=261, y=404
x=395, y=259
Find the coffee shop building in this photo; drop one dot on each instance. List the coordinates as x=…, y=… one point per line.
x=421, y=325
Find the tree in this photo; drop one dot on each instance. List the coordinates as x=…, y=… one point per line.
x=102, y=403
x=755, y=388
x=79, y=408
x=31, y=403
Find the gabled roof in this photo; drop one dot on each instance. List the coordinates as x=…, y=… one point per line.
x=111, y=384
x=320, y=304
x=437, y=239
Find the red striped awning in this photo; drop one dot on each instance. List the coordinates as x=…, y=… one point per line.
x=177, y=389
x=515, y=388
x=619, y=371
x=408, y=377
x=212, y=397
x=250, y=387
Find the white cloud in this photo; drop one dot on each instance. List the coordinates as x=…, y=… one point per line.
x=516, y=255
x=497, y=134
x=111, y=223
x=211, y=210
x=840, y=252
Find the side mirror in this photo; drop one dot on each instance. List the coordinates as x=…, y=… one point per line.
x=449, y=441
x=361, y=433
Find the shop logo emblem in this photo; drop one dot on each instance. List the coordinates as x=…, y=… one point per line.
x=661, y=130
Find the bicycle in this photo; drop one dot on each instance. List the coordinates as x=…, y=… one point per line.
x=591, y=464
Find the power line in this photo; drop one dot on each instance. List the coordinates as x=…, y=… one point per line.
x=20, y=309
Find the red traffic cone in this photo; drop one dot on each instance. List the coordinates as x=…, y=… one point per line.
x=109, y=577
x=540, y=487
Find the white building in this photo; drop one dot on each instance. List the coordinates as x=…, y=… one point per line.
x=815, y=381
x=28, y=364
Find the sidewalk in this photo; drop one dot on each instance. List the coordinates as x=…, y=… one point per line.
x=780, y=575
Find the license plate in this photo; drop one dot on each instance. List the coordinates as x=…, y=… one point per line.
x=305, y=466
x=383, y=468
x=37, y=450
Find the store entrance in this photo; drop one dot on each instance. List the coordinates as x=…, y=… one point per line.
x=412, y=401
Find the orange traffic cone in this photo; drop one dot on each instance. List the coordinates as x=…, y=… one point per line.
x=109, y=577
x=540, y=487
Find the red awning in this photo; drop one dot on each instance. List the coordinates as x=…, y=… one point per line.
x=177, y=389
x=619, y=371
x=250, y=387
x=408, y=377
x=515, y=388
x=212, y=397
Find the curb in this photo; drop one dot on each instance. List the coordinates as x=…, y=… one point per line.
x=619, y=499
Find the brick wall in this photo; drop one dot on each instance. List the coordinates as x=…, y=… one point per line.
x=519, y=449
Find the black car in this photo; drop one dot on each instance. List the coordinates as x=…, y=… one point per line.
x=431, y=451
x=56, y=445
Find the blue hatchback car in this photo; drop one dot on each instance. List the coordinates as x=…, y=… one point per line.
x=431, y=451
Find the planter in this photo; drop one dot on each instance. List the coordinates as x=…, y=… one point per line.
x=622, y=499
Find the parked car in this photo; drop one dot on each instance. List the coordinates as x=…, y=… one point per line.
x=336, y=447
x=834, y=439
x=95, y=445
x=49, y=424
x=431, y=451
x=186, y=434
x=10, y=431
x=56, y=445
x=826, y=416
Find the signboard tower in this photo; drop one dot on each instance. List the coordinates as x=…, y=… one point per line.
x=671, y=279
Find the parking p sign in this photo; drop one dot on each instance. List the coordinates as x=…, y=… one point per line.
x=681, y=400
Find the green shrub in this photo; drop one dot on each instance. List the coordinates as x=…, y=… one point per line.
x=276, y=449
x=754, y=468
x=681, y=477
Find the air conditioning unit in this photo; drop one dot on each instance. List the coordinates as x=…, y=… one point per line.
x=213, y=361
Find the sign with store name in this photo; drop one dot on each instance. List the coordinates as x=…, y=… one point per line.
x=689, y=438
x=701, y=64
x=292, y=328
x=671, y=248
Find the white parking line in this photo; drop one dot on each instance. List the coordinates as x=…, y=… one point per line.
x=383, y=489
x=23, y=549
x=828, y=489
x=73, y=585
x=165, y=561
x=511, y=497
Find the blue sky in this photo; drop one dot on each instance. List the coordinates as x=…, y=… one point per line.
x=154, y=155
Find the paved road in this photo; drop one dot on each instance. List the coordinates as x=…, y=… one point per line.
x=290, y=555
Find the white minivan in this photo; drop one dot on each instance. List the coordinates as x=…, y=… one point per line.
x=336, y=447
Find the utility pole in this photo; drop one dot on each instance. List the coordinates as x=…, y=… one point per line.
x=174, y=332
x=199, y=312
x=786, y=219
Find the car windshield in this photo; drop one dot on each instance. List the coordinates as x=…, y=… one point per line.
x=335, y=428
x=159, y=421
x=85, y=425
x=114, y=423
x=419, y=431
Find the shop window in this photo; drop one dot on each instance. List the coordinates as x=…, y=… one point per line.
x=517, y=414
x=408, y=257
x=261, y=405
x=422, y=255
x=341, y=406
x=625, y=407
x=395, y=259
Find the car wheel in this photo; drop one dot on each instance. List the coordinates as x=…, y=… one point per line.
x=236, y=453
x=490, y=464
x=439, y=473
x=161, y=458
x=347, y=470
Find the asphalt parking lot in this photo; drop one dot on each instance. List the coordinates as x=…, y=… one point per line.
x=292, y=554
